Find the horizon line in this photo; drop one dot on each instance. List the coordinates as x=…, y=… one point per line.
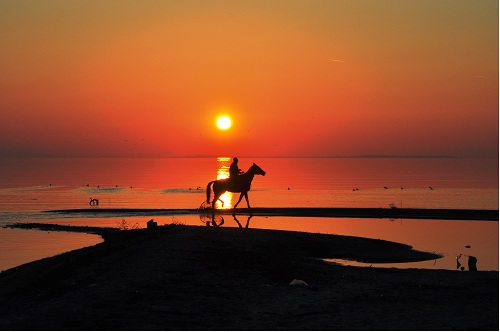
x=367, y=156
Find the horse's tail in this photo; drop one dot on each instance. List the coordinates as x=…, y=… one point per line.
x=208, y=191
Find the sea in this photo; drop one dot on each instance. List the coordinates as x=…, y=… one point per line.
x=32, y=188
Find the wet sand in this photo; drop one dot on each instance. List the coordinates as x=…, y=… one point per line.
x=396, y=213
x=178, y=277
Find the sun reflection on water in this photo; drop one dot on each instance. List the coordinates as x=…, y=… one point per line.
x=223, y=173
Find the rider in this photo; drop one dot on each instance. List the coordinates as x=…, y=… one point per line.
x=234, y=172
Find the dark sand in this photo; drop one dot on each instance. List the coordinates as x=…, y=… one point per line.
x=206, y=278
x=397, y=213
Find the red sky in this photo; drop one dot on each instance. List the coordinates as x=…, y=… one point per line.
x=299, y=78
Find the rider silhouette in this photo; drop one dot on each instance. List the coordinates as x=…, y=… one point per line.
x=234, y=172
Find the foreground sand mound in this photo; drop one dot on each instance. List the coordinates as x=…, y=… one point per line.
x=198, y=278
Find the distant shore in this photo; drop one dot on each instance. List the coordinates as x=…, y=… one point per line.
x=396, y=213
x=178, y=277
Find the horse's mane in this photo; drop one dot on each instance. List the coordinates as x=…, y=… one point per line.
x=253, y=166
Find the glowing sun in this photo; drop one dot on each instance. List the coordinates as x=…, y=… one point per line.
x=224, y=122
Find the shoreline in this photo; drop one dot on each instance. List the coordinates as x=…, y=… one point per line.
x=383, y=251
x=104, y=232
x=396, y=213
x=176, y=277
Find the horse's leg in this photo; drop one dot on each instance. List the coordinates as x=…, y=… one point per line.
x=238, y=202
x=246, y=198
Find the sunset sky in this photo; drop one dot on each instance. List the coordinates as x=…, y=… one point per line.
x=298, y=78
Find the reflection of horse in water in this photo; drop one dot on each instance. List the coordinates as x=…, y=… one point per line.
x=221, y=222
x=242, y=185
x=238, y=222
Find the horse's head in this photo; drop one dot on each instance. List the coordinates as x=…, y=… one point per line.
x=257, y=170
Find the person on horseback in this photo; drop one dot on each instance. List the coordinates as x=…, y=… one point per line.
x=235, y=172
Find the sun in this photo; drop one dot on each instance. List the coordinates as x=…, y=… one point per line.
x=224, y=122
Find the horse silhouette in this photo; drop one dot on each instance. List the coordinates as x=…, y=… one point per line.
x=242, y=185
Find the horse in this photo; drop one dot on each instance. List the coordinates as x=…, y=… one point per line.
x=242, y=186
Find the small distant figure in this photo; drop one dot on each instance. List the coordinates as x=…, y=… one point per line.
x=93, y=201
x=459, y=265
x=386, y=187
x=402, y=188
x=472, y=263
x=431, y=188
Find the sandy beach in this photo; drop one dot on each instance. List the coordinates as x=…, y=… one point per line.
x=178, y=277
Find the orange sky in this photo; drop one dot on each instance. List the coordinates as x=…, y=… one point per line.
x=299, y=78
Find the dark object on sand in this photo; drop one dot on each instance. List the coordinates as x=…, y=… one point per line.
x=458, y=262
x=472, y=263
x=152, y=224
x=298, y=282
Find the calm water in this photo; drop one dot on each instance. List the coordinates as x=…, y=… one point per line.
x=30, y=186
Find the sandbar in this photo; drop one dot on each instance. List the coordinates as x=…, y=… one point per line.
x=177, y=277
x=396, y=213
